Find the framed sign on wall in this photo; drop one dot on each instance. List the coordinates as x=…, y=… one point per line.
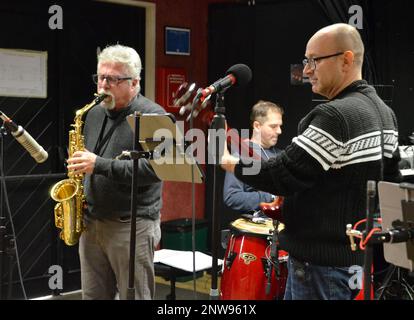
x=23, y=73
x=177, y=41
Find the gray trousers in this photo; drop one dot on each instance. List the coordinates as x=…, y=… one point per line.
x=104, y=258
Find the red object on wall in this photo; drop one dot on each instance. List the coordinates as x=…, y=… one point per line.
x=176, y=196
x=168, y=82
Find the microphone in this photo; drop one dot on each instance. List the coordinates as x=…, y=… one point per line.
x=238, y=75
x=199, y=108
x=26, y=140
x=184, y=100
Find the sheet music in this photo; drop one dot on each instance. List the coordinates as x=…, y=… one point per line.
x=175, y=164
x=183, y=260
x=407, y=172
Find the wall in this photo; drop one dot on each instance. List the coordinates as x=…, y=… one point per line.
x=188, y=14
x=194, y=16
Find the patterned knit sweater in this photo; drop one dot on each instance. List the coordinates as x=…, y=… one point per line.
x=323, y=174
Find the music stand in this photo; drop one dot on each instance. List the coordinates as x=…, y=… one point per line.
x=162, y=143
x=397, y=212
x=159, y=134
x=392, y=197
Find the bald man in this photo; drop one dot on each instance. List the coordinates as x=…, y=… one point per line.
x=341, y=144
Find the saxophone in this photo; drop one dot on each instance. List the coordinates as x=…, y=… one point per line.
x=69, y=192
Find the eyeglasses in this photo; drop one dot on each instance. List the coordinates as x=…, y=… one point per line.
x=311, y=62
x=111, y=80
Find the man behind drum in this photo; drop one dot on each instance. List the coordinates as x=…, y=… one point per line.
x=266, y=123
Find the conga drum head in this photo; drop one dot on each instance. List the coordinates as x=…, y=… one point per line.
x=245, y=226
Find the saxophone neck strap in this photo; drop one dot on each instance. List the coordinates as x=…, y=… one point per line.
x=102, y=139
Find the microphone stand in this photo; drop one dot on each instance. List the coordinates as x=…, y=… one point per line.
x=219, y=122
x=2, y=217
x=371, y=192
x=6, y=241
x=191, y=117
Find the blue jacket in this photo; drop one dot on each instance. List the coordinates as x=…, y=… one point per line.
x=242, y=197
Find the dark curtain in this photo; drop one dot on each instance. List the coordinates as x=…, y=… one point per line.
x=337, y=11
x=71, y=60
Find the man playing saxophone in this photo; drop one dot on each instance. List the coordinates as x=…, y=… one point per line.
x=104, y=245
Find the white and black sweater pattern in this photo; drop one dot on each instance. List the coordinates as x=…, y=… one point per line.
x=334, y=154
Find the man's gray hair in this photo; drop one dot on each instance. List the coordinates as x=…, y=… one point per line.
x=125, y=55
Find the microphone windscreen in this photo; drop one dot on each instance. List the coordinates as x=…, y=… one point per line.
x=242, y=73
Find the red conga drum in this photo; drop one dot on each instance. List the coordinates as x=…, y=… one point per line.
x=247, y=263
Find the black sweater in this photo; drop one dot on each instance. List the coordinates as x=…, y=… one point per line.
x=323, y=174
x=108, y=189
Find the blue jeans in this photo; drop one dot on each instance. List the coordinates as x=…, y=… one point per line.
x=312, y=282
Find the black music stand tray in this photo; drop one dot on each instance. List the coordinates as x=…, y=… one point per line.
x=162, y=143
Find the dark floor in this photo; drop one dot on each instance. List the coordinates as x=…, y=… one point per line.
x=162, y=291
x=183, y=291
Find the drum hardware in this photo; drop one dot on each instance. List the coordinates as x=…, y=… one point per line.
x=225, y=235
x=260, y=218
x=274, y=256
x=268, y=268
x=231, y=254
x=246, y=216
x=257, y=217
x=269, y=277
x=274, y=252
x=230, y=259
